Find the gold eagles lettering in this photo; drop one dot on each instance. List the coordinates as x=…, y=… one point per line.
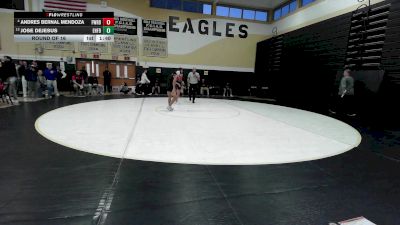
x=204, y=27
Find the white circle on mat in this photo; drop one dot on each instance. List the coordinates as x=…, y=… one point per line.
x=209, y=132
x=190, y=110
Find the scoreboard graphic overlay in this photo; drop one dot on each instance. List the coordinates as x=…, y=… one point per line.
x=64, y=26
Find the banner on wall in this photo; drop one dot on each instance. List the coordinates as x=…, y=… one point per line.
x=125, y=25
x=63, y=46
x=125, y=37
x=125, y=45
x=154, y=28
x=155, y=42
x=155, y=47
x=92, y=47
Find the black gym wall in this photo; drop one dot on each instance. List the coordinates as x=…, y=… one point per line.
x=312, y=56
x=308, y=63
x=390, y=89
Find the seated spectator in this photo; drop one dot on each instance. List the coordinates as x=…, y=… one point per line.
x=93, y=86
x=78, y=83
x=31, y=78
x=125, y=89
x=228, y=90
x=156, y=88
x=42, y=84
x=204, y=87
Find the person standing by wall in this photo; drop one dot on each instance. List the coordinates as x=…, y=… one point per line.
x=346, y=94
x=42, y=84
x=31, y=78
x=9, y=73
x=51, y=75
x=22, y=70
x=343, y=103
x=63, y=84
x=227, y=90
x=193, y=81
x=184, y=87
x=107, y=81
x=84, y=74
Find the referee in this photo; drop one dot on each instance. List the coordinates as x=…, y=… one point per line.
x=193, y=81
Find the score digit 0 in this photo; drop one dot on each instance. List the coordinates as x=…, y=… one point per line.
x=108, y=30
x=108, y=21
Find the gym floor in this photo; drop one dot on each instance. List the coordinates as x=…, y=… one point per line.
x=45, y=183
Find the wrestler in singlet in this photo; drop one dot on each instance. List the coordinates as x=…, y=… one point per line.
x=173, y=92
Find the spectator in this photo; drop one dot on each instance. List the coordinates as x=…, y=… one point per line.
x=31, y=78
x=78, y=83
x=125, y=89
x=228, y=90
x=42, y=84
x=22, y=69
x=9, y=75
x=85, y=77
x=84, y=74
x=107, y=81
x=63, y=83
x=34, y=63
x=184, y=87
x=156, y=88
x=345, y=99
x=51, y=76
x=204, y=87
x=93, y=85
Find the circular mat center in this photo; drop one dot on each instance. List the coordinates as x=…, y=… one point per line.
x=211, y=132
